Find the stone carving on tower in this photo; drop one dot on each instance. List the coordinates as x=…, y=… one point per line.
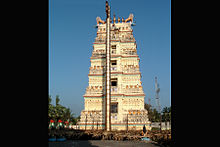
x=127, y=95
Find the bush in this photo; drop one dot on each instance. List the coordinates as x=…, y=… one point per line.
x=155, y=129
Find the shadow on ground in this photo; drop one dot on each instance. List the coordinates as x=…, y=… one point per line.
x=72, y=143
x=79, y=138
x=101, y=143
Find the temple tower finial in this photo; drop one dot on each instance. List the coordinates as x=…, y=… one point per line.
x=114, y=19
x=118, y=19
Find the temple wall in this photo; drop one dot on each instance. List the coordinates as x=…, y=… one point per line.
x=127, y=96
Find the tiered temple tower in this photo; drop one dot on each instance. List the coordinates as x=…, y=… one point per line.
x=126, y=101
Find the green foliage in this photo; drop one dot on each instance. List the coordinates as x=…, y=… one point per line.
x=153, y=114
x=166, y=114
x=49, y=99
x=155, y=129
x=57, y=100
x=60, y=112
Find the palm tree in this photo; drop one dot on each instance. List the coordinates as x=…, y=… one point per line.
x=68, y=115
x=166, y=114
x=58, y=110
x=156, y=115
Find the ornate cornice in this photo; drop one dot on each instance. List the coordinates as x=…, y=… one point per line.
x=116, y=95
x=116, y=73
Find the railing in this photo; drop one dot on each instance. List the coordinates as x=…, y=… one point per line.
x=97, y=71
x=91, y=116
x=130, y=70
x=136, y=118
x=98, y=55
x=129, y=53
x=114, y=68
x=114, y=90
x=99, y=40
x=94, y=91
x=133, y=90
x=128, y=39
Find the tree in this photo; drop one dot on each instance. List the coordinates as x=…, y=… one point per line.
x=68, y=115
x=73, y=120
x=169, y=113
x=147, y=107
x=49, y=99
x=153, y=114
x=51, y=109
x=150, y=112
x=166, y=114
x=60, y=112
x=57, y=100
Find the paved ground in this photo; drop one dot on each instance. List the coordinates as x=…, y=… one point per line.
x=101, y=143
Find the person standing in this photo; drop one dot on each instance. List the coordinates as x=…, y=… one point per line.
x=144, y=130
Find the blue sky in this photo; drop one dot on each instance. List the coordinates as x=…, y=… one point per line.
x=72, y=33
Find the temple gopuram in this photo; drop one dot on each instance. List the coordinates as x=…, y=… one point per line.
x=114, y=98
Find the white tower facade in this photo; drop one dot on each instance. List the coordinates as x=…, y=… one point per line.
x=114, y=98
